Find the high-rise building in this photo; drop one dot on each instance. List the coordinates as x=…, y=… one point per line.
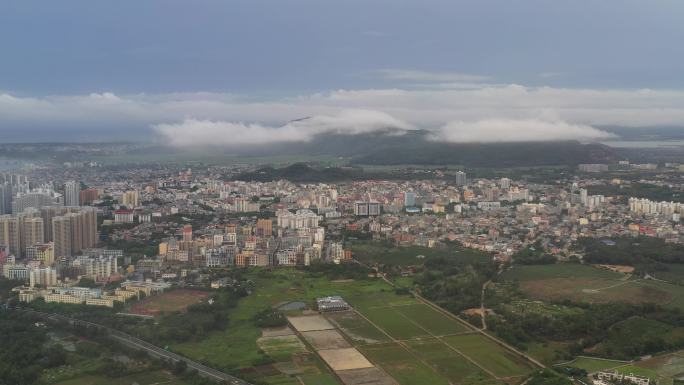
x=74, y=231
x=131, y=198
x=264, y=227
x=461, y=178
x=46, y=276
x=409, y=199
x=584, y=194
x=6, y=194
x=88, y=196
x=32, y=232
x=10, y=233
x=36, y=198
x=366, y=208
x=505, y=183
x=187, y=233
x=72, y=190
x=43, y=252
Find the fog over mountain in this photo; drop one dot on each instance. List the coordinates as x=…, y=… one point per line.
x=479, y=113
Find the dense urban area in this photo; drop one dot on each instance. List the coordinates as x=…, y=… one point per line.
x=201, y=273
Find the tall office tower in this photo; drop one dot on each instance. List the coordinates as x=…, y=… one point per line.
x=461, y=179
x=187, y=233
x=72, y=190
x=10, y=233
x=32, y=232
x=131, y=198
x=505, y=183
x=6, y=193
x=409, y=199
x=264, y=228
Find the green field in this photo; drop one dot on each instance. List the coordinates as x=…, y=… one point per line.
x=448, y=362
x=568, y=270
x=431, y=320
x=380, y=252
x=669, y=365
x=582, y=283
x=489, y=354
x=419, y=359
x=391, y=321
x=147, y=378
x=674, y=273
x=357, y=328
x=403, y=365
x=594, y=364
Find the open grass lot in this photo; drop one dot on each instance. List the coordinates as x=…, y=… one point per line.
x=237, y=348
x=357, y=328
x=674, y=274
x=582, y=283
x=569, y=270
x=402, y=365
x=431, y=320
x=490, y=355
x=282, y=347
x=170, y=301
x=146, y=378
x=392, y=322
x=650, y=373
x=594, y=364
x=401, y=316
x=667, y=365
x=374, y=251
x=456, y=368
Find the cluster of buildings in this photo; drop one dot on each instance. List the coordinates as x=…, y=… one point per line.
x=90, y=296
x=202, y=219
x=616, y=378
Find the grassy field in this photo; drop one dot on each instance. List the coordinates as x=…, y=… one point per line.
x=431, y=320
x=146, y=378
x=666, y=367
x=374, y=251
x=674, y=274
x=170, y=301
x=594, y=364
x=420, y=358
x=401, y=364
x=569, y=270
x=583, y=283
x=490, y=355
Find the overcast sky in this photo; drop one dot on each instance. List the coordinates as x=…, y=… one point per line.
x=96, y=70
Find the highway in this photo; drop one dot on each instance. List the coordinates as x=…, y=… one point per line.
x=151, y=349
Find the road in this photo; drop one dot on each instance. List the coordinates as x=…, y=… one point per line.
x=483, y=312
x=151, y=349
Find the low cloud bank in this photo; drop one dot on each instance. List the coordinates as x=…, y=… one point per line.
x=522, y=130
x=194, y=132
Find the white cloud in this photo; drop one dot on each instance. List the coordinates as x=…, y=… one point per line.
x=523, y=130
x=345, y=111
x=348, y=122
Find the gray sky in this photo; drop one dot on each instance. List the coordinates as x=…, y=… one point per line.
x=94, y=70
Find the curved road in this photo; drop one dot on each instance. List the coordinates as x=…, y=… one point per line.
x=154, y=350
